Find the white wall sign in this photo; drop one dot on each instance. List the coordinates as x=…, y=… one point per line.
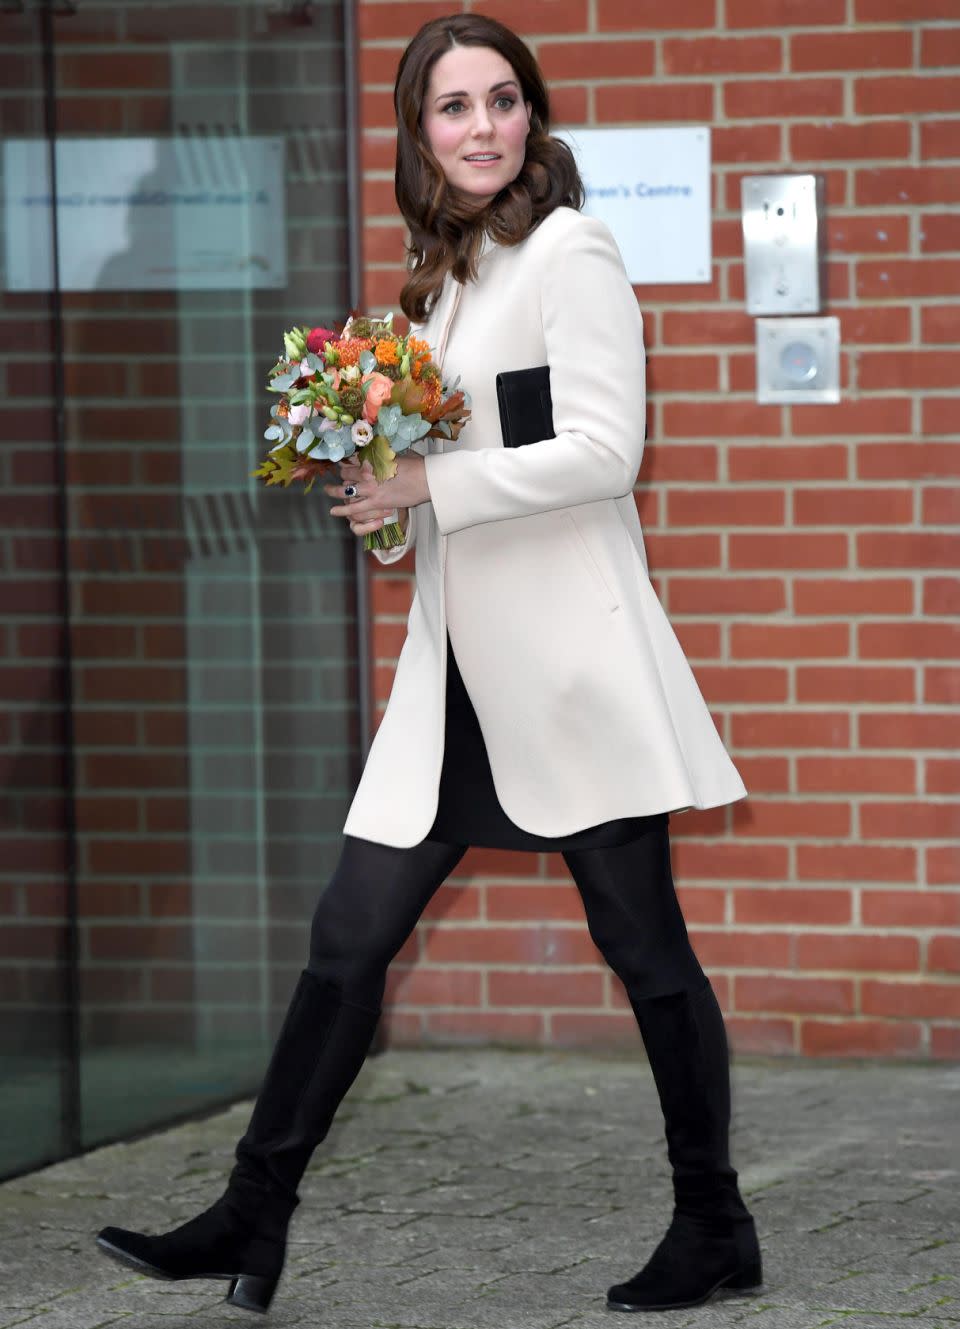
x=146, y=214
x=652, y=188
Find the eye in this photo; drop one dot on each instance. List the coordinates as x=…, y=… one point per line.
x=511, y=101
x=449, y=106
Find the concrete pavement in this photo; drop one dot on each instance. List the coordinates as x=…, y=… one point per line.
x=489, y=1189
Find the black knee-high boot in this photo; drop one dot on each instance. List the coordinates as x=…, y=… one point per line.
x=711, y=1243
x=242, y=1237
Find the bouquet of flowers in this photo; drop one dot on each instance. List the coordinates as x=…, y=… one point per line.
x=364, y=390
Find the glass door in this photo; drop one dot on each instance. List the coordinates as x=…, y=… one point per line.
x=201, y=171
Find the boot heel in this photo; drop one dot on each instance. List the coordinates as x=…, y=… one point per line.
x=748, y=1279
x=251, y=1293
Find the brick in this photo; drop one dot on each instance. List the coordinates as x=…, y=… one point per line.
x=742, y=950
x=940, y=323
x=838, y=595
x=708, y=507
x=941, y=595
x=787, y=462
x=722, y=55
x=783, y=905
x=515, y=1028
x=507, y=988
x=754, y=99
x=788, y=641
x=821, y=52
x=940, y=231
x=119, y=683
x=154, y=858
x=533, y=945
x=941, y=415
x=784, y=13
x=910, y=909
x=765, y=775
x=707, y=327
x=391, y=593
x=744, y=861
x=589, y=1029
x=856, y=862
x=725, y=683
x=858, y=1038
x=682, y=551
x=866, y=952
x=867, y=234
x=943, y=955
x=772, y=818
x=905, y=94
x=763, y=552
x=864, y=415
x=908, y=640
x=726, y=595
x=907, y=549
x=910, y=999
x=683, y=373
x=906, y=730
x=433, y=987
x=699, y=641
x=922, y=460
x=675, y=461
x=938, y=139
x=718, y=419
x=942, y=777
x=537, y=15
x=795, y=729
x=133, y=597
x=903, y=821
x=854, y=683
x=941, y=686
x=839, y=141
x=107, y=814
x=579, y=59
x=875, y=775
x=760, y=1037
x=904, y=186
x=741, y=143
x=622, y=102
x=920, y=277
x=877, y=324
x=943, y=865
x=912, y=369
x=522, y=903
x=454, y=904
x=700, y=904
x=772, y=993
x=647, y=15
x=945, y=1042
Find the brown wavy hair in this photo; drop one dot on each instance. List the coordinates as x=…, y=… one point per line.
x=445, y=233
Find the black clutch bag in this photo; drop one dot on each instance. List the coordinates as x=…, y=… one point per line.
x=526, y=407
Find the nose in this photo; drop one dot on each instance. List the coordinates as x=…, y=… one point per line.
x=482, y=123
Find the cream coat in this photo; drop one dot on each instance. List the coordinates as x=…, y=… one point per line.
x=533, y=558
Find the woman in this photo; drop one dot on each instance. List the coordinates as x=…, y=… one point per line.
x=541, y=699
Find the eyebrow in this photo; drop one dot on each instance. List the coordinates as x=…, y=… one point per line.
x=507, y=83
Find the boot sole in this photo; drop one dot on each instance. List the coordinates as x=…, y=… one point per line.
x=720, y=1292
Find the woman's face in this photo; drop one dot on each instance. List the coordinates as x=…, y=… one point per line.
x=473, y=108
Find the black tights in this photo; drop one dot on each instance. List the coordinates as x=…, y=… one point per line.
x=378, y=892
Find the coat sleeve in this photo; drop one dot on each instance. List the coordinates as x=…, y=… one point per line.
x=593, y=332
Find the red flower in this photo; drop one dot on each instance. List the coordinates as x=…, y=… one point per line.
x=316, y=339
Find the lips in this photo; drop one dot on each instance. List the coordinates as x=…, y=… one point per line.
x=475, y=156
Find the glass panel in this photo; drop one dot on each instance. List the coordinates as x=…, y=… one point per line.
x=201, y=154
x=37, y=1085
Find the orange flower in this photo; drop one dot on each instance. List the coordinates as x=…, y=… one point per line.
x=386, y=351
x=350, y=350
x=432, y=396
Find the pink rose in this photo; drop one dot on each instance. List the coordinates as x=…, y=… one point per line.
x=379, y=392
x=317, y=337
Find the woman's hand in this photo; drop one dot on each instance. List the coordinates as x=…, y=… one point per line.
x=366, y=511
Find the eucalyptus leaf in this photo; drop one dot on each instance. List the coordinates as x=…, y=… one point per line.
x=367, y=361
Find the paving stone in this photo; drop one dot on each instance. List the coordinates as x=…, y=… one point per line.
x=489, y=1189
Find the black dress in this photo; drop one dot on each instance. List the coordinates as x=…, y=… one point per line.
x=469, y=811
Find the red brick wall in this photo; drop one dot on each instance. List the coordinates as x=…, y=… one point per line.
x=807, y=556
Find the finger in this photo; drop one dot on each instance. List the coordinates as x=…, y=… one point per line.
x=365, y=527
